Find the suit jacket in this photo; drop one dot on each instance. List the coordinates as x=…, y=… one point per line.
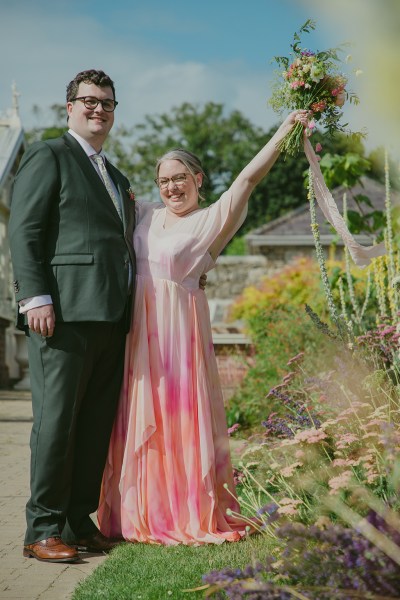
x=66, y=237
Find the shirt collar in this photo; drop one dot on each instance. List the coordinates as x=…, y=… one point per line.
x=89, y=150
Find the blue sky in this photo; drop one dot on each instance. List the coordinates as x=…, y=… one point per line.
x=161, y=54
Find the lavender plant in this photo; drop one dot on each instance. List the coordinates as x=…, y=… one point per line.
x=319, y=563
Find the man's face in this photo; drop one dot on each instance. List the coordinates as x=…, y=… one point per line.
x=93, y=125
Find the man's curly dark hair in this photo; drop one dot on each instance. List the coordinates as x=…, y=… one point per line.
x=98, y=78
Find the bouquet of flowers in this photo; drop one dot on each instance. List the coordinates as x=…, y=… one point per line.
x=310, y=81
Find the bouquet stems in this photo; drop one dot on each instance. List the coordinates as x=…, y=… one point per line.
x=292, y=143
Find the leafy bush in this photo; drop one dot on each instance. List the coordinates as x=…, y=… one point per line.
x=277, y=323
x=276, y=334
x=294, y=286
x=236, y=247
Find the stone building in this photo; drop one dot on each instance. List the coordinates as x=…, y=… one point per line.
x=12, y=145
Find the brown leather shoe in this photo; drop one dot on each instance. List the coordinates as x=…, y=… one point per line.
x=51, y=550
x=96, y=543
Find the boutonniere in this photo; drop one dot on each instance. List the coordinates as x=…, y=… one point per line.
x=131, y=193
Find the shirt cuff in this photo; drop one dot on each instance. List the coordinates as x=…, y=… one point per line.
x=34, y=302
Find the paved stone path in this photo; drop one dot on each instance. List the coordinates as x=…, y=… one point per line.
x=26, y=578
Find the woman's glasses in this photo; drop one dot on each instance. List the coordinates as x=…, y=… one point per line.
x=178, y=180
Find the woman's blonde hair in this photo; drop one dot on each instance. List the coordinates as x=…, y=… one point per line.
x=191, y=162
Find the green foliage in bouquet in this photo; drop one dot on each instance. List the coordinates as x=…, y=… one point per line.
x=311, y=81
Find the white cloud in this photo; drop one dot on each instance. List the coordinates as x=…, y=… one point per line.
x=46, y=46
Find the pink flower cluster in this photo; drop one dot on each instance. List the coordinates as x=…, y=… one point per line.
x=309, y=76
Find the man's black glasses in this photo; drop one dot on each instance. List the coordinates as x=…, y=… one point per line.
x=91, y=103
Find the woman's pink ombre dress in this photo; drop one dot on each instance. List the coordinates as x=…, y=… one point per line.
x=169, y=453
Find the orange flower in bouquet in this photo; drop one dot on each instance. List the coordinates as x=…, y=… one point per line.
x=311, y=81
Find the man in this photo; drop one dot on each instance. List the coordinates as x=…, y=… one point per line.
x=71, y=227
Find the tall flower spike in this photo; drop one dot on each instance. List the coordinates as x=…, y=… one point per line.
x=393, y=292
x=320, y=256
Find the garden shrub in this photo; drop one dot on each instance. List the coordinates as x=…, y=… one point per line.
x=275, y=318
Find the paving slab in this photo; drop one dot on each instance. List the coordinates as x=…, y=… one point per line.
x=26, y=578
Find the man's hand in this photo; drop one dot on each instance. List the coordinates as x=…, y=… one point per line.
x=42, y=320
x=203, y=281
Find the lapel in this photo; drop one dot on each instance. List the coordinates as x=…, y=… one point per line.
x=89, y=172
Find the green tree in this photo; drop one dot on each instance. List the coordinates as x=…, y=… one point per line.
x=346, y=170
x=377, y=160
x=52, y=124
x=343, y=169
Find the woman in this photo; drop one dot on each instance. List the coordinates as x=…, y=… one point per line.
x=168, y=477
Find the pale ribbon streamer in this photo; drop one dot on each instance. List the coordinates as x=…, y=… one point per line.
x=107, y=182
x=361, y=255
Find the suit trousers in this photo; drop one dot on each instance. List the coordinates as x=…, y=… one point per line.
x=76, y=377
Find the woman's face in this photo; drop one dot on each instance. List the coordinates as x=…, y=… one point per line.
x=177, y=187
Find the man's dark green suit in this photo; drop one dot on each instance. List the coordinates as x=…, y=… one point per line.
x=67, y=241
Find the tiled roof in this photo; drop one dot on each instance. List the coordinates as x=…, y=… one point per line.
x=296, y=224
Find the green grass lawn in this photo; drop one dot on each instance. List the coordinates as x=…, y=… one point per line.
x=149, y=572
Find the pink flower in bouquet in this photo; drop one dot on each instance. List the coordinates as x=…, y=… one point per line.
x=295, y=84
x=339, y=91
x=340, y=99
x=318, y=106
x=318, y=147
x=310, y=128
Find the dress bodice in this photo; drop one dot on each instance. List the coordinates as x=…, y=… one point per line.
x=179, y=253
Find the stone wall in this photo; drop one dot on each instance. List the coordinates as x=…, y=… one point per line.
x=233, y=273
